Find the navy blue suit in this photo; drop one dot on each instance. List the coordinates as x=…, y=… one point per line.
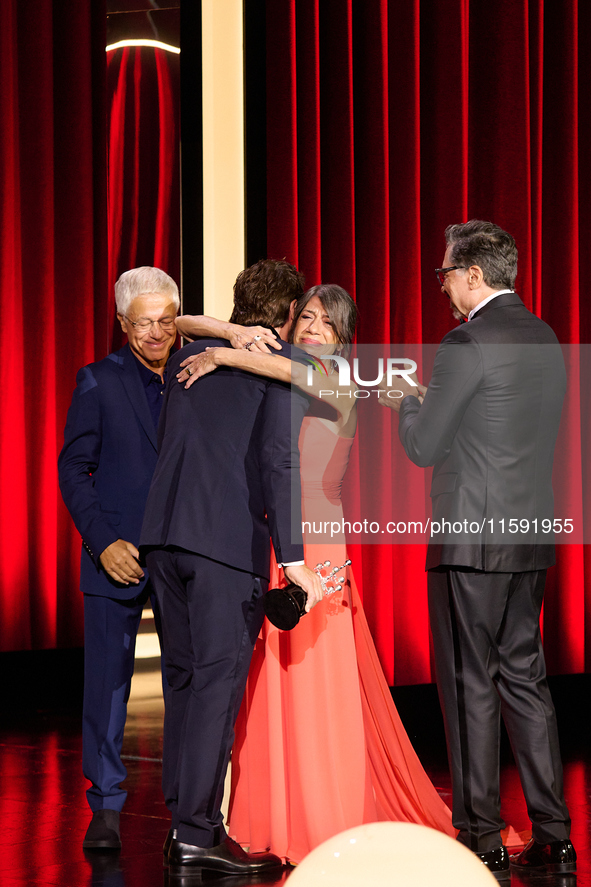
x=227, y=477
x=105, y=469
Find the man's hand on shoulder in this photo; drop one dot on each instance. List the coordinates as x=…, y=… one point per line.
x=119, y=559
x=308, y=580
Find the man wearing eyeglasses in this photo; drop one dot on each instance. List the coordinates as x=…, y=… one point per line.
x=488, y=424
x=105, y=469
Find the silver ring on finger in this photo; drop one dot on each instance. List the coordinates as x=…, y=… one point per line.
x=248, y=345
x=257, y=338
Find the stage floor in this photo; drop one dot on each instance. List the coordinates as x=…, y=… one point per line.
x=43, y=811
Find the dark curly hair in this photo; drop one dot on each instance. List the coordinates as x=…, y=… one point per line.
x=264, y=291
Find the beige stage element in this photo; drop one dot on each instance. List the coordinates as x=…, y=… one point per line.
x=223, y=153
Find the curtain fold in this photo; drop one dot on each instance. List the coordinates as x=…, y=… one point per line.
x=52, y=254
x=143, y=163
x=387, y=121
x=65, y=240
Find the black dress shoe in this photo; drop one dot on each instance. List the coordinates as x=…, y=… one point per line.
x=497, y=862
x=228, y=857
x=170, y=837
x=556, y=856
x=103, y=831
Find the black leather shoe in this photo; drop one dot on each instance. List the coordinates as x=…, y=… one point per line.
x=497, y=862
x=103, y=831
x=228, y=858
x=556, y=856
x=170, y=837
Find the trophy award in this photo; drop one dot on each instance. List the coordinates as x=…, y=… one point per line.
x=285, y=606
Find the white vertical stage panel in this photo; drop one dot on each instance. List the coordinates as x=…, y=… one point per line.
x=223, y=153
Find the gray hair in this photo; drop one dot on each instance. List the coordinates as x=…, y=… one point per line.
x=142, y=282
x=486, y=245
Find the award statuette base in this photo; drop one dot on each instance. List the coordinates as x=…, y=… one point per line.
x=284, y=606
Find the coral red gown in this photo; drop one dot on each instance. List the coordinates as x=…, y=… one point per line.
x=319, y=745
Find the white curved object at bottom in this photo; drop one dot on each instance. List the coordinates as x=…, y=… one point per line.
x=391, y=853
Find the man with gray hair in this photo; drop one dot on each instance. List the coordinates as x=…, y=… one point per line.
x=488, y=424
x=105, y=469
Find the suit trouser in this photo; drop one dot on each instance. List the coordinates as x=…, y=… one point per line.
x=110, y=631
x=489, y=661
x=211, y=616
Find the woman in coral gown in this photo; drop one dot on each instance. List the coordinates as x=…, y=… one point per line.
x=319, y=745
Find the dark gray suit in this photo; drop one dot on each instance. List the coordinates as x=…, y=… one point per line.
x=488, y=424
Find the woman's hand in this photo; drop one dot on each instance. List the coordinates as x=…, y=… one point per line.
x=187, y=326
x=198, y=365
x=253, y=338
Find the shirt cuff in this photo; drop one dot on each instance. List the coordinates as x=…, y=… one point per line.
x=292, y=564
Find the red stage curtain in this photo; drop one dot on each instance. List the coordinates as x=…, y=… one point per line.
x=387, y=121
x=143, y=163
x=57, y=293
x=53, y=278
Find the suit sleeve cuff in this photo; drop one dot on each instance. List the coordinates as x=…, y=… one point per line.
x=99, y=538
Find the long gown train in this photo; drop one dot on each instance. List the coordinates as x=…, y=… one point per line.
x=319, y=745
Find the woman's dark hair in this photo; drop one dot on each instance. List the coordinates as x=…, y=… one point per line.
x=339, y=306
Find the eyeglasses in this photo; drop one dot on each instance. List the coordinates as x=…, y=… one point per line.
x=143, y=325
x=441, y=272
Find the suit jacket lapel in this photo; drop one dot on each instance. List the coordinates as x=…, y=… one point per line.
x=137, y=394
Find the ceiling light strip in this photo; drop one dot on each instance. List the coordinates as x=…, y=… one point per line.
x=157, y=44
